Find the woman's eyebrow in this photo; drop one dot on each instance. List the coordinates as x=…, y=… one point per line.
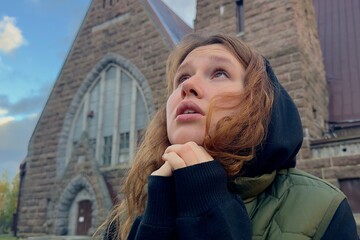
x=221, y=59
x=183, y=65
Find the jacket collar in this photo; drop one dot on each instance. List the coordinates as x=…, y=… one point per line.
x=250, y=187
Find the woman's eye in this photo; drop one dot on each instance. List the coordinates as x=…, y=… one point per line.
x=181, y=79
x=220, y=74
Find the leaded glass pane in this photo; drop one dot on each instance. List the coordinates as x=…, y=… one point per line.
x=124, y=146
x=124, y=140
x=94, y=111
x=107, y=150
x=125, y=102
x=78, y=125
x=109, y=102
x=141, y=116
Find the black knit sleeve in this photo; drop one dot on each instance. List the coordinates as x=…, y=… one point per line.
x=158, y=220
x=342, y=225
x=206, y=209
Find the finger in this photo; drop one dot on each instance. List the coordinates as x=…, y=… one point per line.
x=200, y=153
x=184, y=151
x=172, y=148
x=190, y=152
x=174, y=160
x=165, y=170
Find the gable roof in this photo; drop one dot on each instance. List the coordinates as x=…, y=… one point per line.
x=171, y=26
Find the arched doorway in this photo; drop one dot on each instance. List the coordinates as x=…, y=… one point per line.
x=77, y=209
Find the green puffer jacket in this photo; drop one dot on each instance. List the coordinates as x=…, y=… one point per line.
x=289, y=204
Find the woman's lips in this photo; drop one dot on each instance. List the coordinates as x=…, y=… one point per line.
x=188, y=111
x=188, y=117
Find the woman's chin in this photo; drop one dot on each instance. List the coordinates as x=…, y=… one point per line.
x=198, y=139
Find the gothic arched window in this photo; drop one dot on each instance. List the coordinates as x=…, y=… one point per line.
x=114, y=114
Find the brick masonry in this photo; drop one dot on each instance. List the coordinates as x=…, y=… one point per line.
x=284, y=31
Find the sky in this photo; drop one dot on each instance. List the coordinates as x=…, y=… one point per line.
x=35, y=38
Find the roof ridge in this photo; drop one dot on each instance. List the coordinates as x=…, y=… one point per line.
x=174, y=27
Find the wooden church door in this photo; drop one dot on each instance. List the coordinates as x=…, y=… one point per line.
x=83, y=218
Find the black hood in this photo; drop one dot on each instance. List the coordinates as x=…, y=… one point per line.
x=284, y=136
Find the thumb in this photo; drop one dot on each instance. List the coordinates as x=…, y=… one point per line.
x=165, y=170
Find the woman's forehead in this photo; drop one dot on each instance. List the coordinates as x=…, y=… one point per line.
x=213, y=52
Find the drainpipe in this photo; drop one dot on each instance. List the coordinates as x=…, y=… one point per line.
x=16, y=214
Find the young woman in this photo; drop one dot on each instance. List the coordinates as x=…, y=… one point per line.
x=217, y=162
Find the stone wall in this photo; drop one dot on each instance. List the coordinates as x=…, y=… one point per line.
x=285, y=32
x=333, y=169
x=123, y=28
x=215, y=16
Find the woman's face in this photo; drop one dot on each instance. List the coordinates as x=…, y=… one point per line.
x=205, y=73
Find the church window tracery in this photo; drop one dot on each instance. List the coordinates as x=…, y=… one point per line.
x=113, y=113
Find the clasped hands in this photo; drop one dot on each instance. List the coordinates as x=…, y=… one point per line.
x=182, y=155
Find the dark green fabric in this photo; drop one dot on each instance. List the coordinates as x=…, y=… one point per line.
x=250, y=187
x=295, y=206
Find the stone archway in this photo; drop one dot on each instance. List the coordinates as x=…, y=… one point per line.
x=66, y=200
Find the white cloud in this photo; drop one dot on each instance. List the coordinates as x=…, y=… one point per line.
x=6, y=120
x=10, y=35
x=3, y=111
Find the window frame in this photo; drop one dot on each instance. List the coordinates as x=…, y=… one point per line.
x=83, y=108
x=240, y=17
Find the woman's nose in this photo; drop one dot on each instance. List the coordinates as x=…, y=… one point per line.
x=191, y=88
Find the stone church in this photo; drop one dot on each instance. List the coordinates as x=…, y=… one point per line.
x=113, y=80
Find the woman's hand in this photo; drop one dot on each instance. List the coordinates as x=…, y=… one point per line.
x=182, y=155
x=165, y=170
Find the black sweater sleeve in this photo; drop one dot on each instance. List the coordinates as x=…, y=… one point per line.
x=206, y=209
x=342, y=225
x=199, y=206
x=158, y=220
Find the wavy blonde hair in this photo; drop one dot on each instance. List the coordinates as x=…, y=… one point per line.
x=232, y=143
